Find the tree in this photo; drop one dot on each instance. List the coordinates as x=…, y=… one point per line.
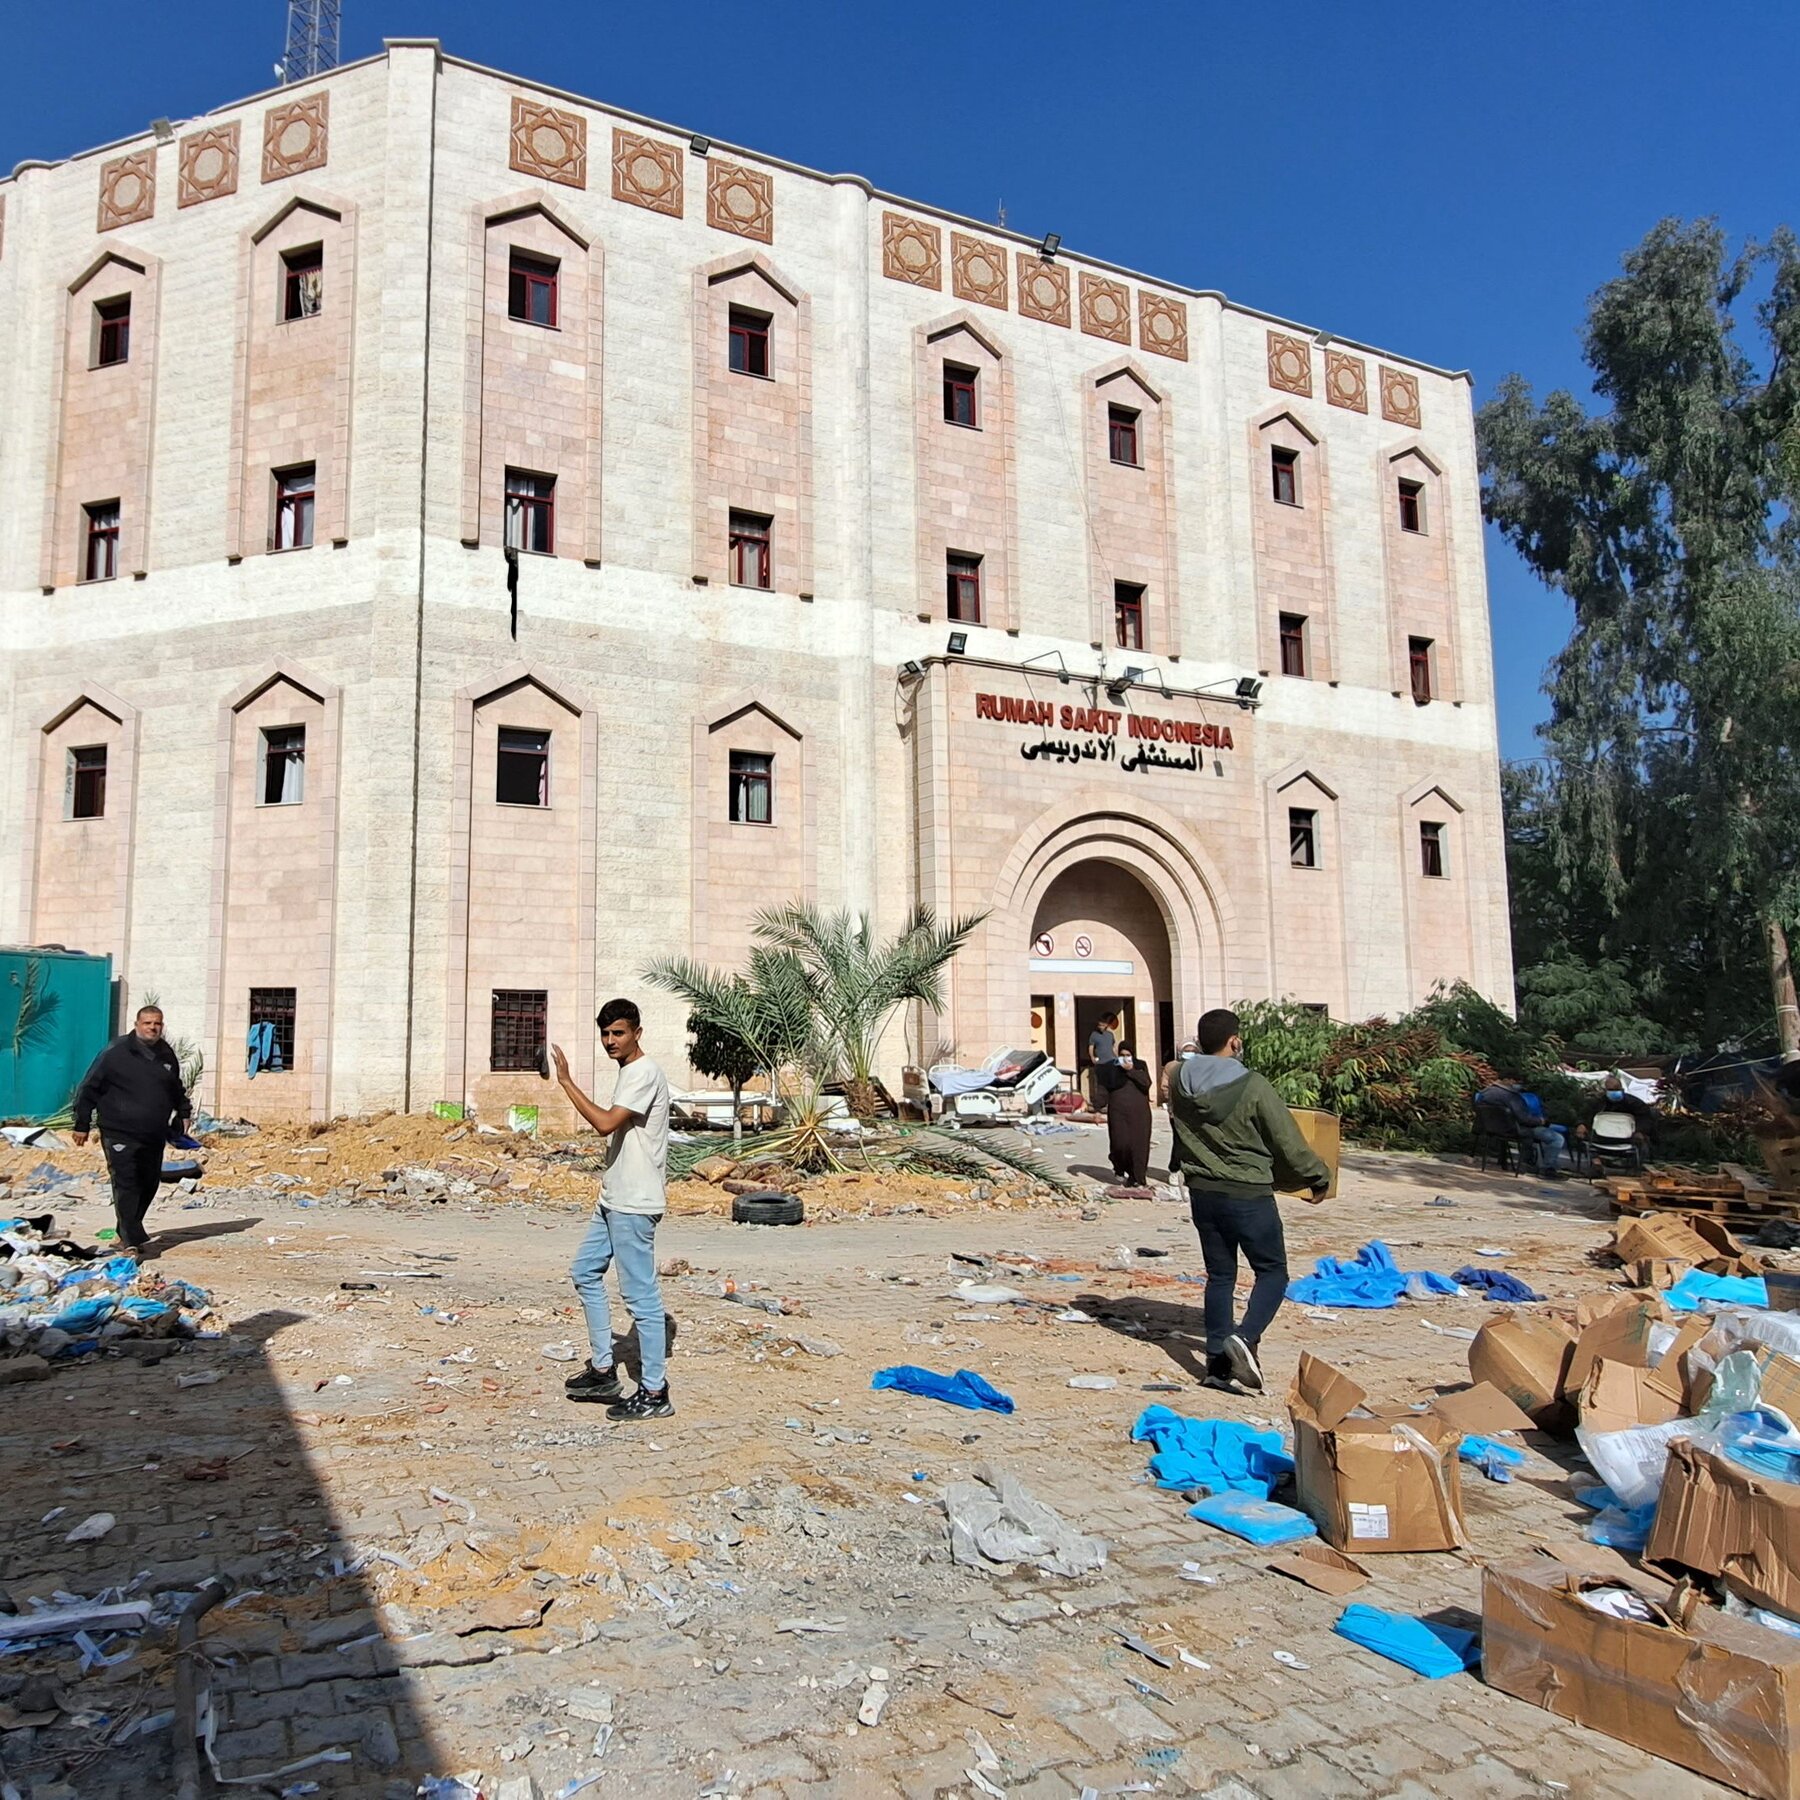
x=719, y=1054
x=1668, y=520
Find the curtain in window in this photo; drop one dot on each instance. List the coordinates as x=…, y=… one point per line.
x=293, y=777
x=309, y=291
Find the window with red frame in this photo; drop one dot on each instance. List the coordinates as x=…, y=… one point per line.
x=87, y=782
x=747, y=342
x=962, y=588
x=530, y=512
x=1122, y=435
x=1412, y=506
x=749, y=549
x=303, y=282
x=295, y=495
x=100, y=559
x=112, y=340
x=1284, y=475
x=519, y=1029
x=1418, y=660
x=1128, y=615
x=531, y=283
x=1293, y=643
x=962, y=396
x=1431, y=849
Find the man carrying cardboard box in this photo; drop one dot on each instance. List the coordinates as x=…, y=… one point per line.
x=1235, y=1143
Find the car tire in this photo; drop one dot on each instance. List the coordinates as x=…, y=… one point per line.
x=767, y=1208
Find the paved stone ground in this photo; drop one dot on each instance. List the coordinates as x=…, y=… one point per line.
x=398, y=1531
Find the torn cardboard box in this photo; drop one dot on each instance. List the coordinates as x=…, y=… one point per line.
x=1618, y=1397
x=1373, y=1478
x=1690, y=1238
x=1721, y=1519
x=1481, y=1410
x=1321, y=1567
x=1526, y=1358
x=1718, y=1695
x=1621, y=1334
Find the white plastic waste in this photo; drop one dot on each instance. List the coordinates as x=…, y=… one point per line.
x=1631, y=1462
x=1098, y=1383
x=996, y=1522
x=986, y=1293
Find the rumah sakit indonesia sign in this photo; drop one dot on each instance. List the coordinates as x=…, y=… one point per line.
x=1093, y=734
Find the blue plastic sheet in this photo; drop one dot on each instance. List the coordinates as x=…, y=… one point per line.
x=1372, y=1279
x=964, y=1388
x=1494, y=1459
x=1623, y=1528
x=1761, y=1441
x=1496, y=1284
x=84, y=1315
x=1697, y=1291
x=1256, y=1521
x=1217, y=1454
x=1430, y=1650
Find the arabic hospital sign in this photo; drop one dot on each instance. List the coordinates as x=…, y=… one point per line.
x=1093, y=734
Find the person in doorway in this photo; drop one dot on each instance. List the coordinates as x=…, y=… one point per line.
x=1102, y=1048
x=1127, y=1084
x=1235, y=1142
x=633, y=1197
x=134, y=1084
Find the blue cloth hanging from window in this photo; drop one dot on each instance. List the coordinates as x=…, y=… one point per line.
x=264, y=1050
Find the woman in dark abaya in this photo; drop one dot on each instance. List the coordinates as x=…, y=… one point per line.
x=1127, y=1085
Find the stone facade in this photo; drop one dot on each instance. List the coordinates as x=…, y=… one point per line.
x=400, y=891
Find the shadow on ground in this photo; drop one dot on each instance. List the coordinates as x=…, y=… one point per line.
x=1176, y=1330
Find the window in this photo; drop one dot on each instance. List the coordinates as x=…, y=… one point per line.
x=293, y=508
x=1293, y=643
x=1412, y=506
x=101, y=560
x=1128, y=615
x=1303, y=837
x=112, y=331
x=1431, y=849
x=1122, y=435
x=961, y=396
x=749, y=342
x=962, y=588
x=284, y=765
x=1418, y=662
x=303, y=282
x=530, y=512
x=522, y=768
x=274, y=1007
x=1284, y=471
x=752, y=788
x=531, y=289
x=87, y=782
x=749, y=549
x=519, y=1032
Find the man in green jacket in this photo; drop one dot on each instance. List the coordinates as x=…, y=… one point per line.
x=1235, y=1143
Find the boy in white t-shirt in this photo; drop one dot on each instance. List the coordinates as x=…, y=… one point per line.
x=632, y=1198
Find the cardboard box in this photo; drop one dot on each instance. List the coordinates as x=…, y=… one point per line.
x=1618, y=1396
x=1693, y=1238
x=1619, y=1335
x=1718, y=1695
x=1526, y=1357
x=1322, y=1568
x=1324, y=1138
x=1373, y=1479
x=1481, y=1410
x=1720, y=1519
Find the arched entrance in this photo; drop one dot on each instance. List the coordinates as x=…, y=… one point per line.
x=1099, y=944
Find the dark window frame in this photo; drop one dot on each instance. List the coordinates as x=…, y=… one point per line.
x=529, y=279
x=518, y=1030
x=1128, y=614
x=749, y=550
x=962, y=587
x=1292, y=628
x=296, y=507
x=87, y=782
x=277, y=1006
x=112, y=331
x=1284, y=475
x=530, y=512
x=275, y=757
x=296, y=301
x=1418, y=668
x=749, y=346
x=509, y=759
x=1123, y=443
x=962, y=393
x=1431, y=849
x=1411, y=497
x=100, y=544
x=750, y=785
x=1303, y=837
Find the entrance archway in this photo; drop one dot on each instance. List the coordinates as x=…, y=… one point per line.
x=1100, y=944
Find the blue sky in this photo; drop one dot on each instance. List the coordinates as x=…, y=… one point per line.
x=1451, y=182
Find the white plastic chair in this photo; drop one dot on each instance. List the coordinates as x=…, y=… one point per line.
x=1613, y=1137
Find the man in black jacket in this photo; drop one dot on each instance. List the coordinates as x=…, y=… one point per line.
x=135, y=1084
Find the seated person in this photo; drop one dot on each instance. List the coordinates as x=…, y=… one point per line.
x=1612, y=1095
x=1506, y=1092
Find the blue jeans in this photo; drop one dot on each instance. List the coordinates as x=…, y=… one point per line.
x=1227, y=1226
x=1551, y=1147
x=631, y=1238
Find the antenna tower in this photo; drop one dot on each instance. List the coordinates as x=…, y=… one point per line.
x=312, y=39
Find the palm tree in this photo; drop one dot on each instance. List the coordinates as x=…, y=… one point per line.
x=859, y=984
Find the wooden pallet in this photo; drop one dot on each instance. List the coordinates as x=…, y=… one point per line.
x=1735, y=1196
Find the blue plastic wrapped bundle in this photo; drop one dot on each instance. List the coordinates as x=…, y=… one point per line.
x=1216, y=1454
x=1371, y=1279
x=1494, y=1459
x=1625, y=1528
x=1430, y=1650
x=1256, y=1521
x=84, y=1315
x=1697, y=1291
x=1762, y=1440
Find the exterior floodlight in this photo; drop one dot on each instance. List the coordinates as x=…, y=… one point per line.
x=165, y=132
x=1121, y=685
x=959, y=642
x=1248, y=688
x=699, y=145
x=1051, y=244
x=911, y=671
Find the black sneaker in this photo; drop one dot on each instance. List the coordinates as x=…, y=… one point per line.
x=1244, y=1366
x=594, y=1384
x=646, y=1403
x=1219, y=1375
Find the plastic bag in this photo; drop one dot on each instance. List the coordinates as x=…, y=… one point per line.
x=1762, y=1440
x=1736, y=1388
x=1622, y=1528
x=1631, y=1462
x=1256, y=1521
x=996, y=1521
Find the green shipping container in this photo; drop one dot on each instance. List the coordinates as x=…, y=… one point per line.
x=56, y=1011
